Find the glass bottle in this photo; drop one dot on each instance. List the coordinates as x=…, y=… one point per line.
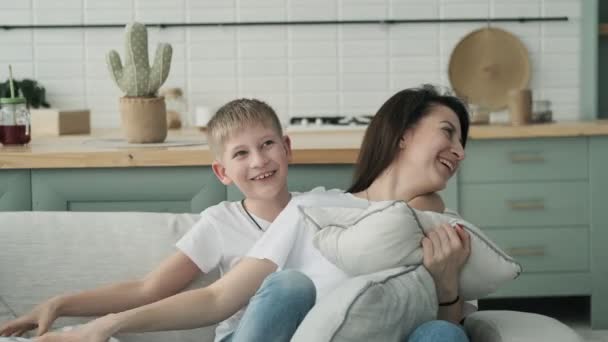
x=15, y=125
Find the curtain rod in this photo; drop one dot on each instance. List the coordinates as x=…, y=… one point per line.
x=280, y=23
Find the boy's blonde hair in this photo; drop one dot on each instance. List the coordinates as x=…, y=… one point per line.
x=236, y=115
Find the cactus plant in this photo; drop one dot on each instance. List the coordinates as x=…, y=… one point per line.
x=136, y=78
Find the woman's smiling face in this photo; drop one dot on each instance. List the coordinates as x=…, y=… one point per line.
x=433, y=147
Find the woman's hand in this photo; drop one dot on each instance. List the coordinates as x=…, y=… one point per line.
x=42, y=317
x=445, y=250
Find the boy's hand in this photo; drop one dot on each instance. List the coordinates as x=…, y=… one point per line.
x=41, y=317
x=428, y=202
x=71, y=336
x=94, y=331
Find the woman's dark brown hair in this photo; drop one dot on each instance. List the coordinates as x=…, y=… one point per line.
x=402, y=111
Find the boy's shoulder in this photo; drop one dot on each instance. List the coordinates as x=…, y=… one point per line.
x=221, y=210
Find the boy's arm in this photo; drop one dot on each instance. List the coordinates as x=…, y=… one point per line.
x=428, y=202
x=194, y=308
x=170, y=277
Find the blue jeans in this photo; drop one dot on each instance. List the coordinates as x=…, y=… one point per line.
x=436, y=331
x=277, y=308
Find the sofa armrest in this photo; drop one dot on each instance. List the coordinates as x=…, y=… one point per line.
x=515, y=326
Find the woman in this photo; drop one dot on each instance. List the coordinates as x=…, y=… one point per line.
x=424, y=133
x=412, y=147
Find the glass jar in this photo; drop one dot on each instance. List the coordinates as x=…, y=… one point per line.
x=176, y=107
x=541, y=111
x=15, y=122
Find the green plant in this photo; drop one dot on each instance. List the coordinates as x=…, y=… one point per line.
x=136, y=77
x=34, y=93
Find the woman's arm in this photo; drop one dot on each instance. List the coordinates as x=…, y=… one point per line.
x=447, y=284
x=186, y=310
x=445, y=250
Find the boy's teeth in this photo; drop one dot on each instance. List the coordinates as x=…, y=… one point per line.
x=262, y=176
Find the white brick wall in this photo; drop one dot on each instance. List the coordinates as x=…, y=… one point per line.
x=327, y=69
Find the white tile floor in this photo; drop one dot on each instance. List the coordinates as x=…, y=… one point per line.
x=573, y=311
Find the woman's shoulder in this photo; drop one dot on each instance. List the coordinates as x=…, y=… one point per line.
x=320, y=196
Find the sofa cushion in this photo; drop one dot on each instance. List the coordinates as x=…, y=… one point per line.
x=383, y=306
x=48, y=253
x=388, y=234
x=6, y=313
x=516, y=326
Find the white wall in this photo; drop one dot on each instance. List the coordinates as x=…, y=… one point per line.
x=298, y=69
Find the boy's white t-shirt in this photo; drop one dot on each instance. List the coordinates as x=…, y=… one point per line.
x=220, y=238
x=288, y=240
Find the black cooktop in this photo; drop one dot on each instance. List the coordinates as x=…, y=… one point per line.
x=331, y=120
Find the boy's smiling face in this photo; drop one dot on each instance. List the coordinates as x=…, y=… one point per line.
x=255, y=159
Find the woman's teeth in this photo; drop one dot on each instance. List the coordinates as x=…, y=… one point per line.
x=447, y=163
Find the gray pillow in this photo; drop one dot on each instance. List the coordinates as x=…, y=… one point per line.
x=388, y=234
x=383, y=306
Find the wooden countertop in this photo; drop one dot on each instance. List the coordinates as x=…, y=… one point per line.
x=104, y=148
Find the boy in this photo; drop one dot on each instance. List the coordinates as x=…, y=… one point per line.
x=246, y=138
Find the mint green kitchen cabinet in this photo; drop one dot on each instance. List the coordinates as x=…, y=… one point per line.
x=15, y=190
x=532, y=197
x=156, y=189
x=544, y=201
x=306, y=177
x=598, y=176
x=168, y=189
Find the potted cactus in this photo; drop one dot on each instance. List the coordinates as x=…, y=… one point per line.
x=143, y=113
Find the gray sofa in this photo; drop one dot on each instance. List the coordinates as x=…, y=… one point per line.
x=46, y=253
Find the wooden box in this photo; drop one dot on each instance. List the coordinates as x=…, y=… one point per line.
x=60, y=122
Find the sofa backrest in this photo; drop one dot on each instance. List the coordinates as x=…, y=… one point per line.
x=43, y=254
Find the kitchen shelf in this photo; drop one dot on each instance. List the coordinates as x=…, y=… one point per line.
x=301, y=22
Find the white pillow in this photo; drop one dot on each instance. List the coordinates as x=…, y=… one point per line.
x=383, y=306
x=388, y=234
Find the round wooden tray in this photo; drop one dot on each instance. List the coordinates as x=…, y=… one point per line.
x=486, y=64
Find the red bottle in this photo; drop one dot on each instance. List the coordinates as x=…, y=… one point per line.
x=15, y=128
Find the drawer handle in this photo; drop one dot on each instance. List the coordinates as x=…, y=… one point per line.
x=526, y=157
x=526, y=251
x=534, y=204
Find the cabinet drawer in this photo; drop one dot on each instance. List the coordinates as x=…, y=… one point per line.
x=525, y=204
x=15, y=190
x=532, y=159
x=545, y=249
